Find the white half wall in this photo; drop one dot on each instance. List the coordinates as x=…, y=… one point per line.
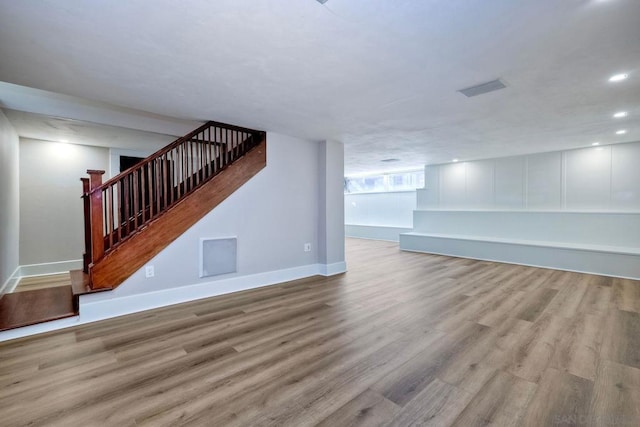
x=576, y=210
x=9, y=203
x=379, y=216
x=291, y=202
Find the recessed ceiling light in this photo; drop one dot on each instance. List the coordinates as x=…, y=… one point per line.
x=390, y=160
x=621, y=132
x=620, y=114
x=595, y=143
x=618, y=77
x=455, y=160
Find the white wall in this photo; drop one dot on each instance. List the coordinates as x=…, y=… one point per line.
x=385, y=209
x=51, y=211
x=379, y=216
x=273, y=216
x=9, y=201
x=331, y=205
x=590, y=179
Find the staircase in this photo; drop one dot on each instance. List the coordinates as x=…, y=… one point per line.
x=133, y=216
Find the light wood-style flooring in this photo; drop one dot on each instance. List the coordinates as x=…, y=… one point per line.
x=401, y=339
x=43, y=282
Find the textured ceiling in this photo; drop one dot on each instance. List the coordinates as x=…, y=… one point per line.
x=37, y=126
x=381, y=76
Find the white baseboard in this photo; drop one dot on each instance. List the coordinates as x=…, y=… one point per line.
x=50, y=268
x=375, y=232
x=333, y=269
x=10, y=284
x=99, y=306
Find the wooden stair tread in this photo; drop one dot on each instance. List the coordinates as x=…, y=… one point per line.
x=36, y=306
x=80, y=283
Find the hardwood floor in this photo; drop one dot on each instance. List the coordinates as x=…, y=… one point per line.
x=35, y=306
x=401, y=339
x=43, y=282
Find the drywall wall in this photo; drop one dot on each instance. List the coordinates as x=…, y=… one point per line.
x=379, y=216
x=51, y=212
x=9, y=201
x=387, y=209
x=272, y=216
x=602, y=178
x=331, y=205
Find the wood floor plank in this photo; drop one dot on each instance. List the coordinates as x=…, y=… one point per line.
x=536, y=347
x=502, y=402
x=532, y=307
x=560, y=399
x=579, y=349
x=43, y=282
x=626, y=294
x=621, y=342
x=368, y=409
x=400, y=339
x=616, y=395
x=439, y=404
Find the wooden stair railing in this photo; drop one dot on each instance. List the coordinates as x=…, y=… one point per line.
x=124, y=206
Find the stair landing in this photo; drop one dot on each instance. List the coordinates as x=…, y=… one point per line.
x=37, y=306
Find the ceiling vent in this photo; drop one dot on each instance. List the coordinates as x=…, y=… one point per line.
x=483, y=88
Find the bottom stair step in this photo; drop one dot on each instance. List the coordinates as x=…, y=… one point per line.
x=80, y=285
x=37, y=306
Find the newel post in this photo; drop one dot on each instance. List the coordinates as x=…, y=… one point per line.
x=86, y=257
x=95, y=209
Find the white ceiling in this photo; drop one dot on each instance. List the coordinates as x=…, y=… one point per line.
x=379, y=75
x=37, y=126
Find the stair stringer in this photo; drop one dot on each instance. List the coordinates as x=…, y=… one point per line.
x=130, y=256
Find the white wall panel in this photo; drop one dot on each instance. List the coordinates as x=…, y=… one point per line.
x=453, y=185
x=544, y=181
x=429, y=196
x=588, y=178
x=509, y=183
x=479, y=184
x=625, y=177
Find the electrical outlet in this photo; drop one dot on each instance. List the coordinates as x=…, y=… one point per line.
x=307, y=247
x=149, y=271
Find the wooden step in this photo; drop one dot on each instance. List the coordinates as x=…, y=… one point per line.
x=36, y=306
x=80, y=285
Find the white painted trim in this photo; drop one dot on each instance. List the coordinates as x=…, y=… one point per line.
x=333, y=269
x=49, y=268
x=532, y=211
x=95, y=307
x=12, y=281
x=375, y=232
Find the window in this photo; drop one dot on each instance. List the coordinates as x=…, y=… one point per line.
x=399, y=181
